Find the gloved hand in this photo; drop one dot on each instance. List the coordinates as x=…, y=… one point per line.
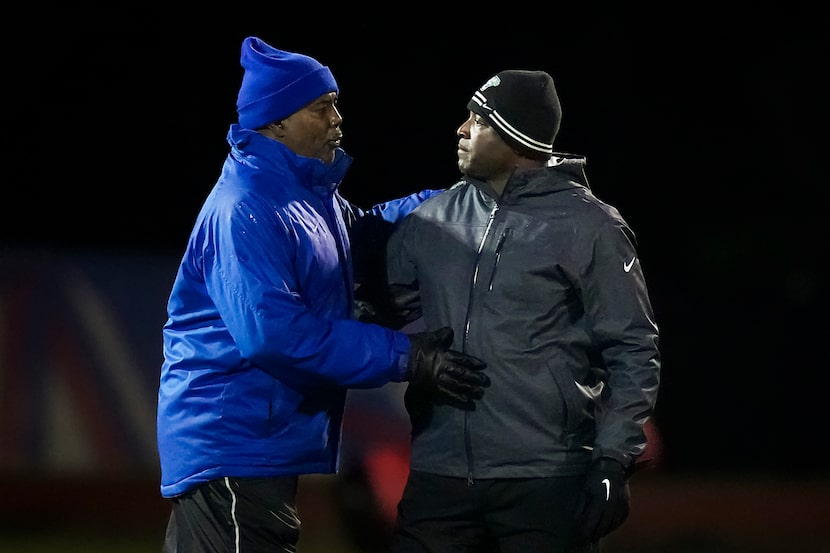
x=603, y=504
x=439, y=373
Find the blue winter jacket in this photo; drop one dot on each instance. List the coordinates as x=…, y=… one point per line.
x=260, y=345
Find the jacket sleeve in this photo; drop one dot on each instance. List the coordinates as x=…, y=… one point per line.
x=304, y=341
x=369, y=232
x=624, y=331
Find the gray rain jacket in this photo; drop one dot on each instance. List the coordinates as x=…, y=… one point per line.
x=544, y=285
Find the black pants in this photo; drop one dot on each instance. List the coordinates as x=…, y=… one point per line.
x=236, y=515
x=438, y=514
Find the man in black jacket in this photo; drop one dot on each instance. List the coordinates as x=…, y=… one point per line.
x=542, y=281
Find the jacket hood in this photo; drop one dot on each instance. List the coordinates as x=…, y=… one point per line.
x=567, y=170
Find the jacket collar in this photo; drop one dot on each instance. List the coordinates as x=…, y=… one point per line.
x=563, y=172
x=252, y=148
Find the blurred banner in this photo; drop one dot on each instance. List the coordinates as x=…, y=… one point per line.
x=80, y=352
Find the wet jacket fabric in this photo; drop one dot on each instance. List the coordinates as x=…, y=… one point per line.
x=544, y=284
x=259, y=347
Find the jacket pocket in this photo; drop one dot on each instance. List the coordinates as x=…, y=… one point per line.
x=577, y=403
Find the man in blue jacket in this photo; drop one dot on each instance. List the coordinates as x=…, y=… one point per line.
x=261, y=342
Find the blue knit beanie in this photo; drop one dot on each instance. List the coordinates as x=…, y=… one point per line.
x=277, y=83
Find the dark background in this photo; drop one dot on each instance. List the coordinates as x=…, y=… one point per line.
x=700, y=125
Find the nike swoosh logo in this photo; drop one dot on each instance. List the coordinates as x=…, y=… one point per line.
x=627, y=266
x=607, y=485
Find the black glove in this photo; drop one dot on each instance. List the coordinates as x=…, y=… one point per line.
x=603, y=504
x=364, y=311
x=439, y=373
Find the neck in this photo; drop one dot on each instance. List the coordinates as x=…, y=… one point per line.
x=499, y=182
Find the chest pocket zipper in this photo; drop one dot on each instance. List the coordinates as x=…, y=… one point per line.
x=496, y=258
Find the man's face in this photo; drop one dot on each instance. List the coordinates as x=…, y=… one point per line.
x=482, y=154
x=314, y=131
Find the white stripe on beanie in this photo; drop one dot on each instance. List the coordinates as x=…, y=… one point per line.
x=508, y=129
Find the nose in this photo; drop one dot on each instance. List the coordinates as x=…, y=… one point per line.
x=336, y=117
x=464, y=129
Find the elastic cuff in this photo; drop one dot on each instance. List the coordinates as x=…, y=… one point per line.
x=617, y=456
x=402, y=369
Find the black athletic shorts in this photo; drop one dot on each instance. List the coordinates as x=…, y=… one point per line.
x=440, y=514
x=233, y=515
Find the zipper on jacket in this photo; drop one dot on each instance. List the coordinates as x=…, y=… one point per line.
x=476, y=269
x=468, y=446
x=336, y=222
x=499, y=246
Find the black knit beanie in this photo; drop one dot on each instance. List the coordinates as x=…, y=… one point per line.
x=523, y=107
